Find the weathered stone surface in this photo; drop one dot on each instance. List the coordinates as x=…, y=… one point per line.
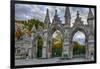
x=67, y=32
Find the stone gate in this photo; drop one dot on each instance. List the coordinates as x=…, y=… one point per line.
x=67, y=32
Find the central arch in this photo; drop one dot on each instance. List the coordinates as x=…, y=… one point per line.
x=75, y=30
x=56, y=44
x=52, y=30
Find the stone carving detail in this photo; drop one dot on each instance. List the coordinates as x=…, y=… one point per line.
x=66, y=30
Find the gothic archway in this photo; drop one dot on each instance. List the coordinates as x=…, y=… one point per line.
x=56, y=44
x=37, y=46
x=51, y=31
x=75, y=30
x=79, y=45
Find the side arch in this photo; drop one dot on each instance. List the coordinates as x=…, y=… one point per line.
x=74, y=30
x=34, y=44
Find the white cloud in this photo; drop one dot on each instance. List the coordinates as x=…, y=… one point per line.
x=79, y=34
x=27, y=11
x=79, y=37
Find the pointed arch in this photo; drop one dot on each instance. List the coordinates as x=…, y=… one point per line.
x=74, y=30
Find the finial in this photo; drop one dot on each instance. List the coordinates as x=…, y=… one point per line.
x=47, y=10
x=90, y=14
x=78, y=14
x=89, y=9
x=55, y=12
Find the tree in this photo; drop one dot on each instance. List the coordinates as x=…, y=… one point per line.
x=18, y=34
x=78, y=48
x=29, y=24
x=39, y=42
x=39, y=46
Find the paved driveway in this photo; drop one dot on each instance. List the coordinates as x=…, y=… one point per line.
x=47, y=61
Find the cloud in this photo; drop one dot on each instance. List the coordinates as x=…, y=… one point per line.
x=82, y=11
x=79, y=34
x=24, y=12
x=79, y=37
x=29, y=11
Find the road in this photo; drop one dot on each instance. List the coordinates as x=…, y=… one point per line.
x=46, y=61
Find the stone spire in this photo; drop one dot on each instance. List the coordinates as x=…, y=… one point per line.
x=90, y=20
x=56, y=19
x=90, y=14
x=90, y=17
x=55, y=12
x=78, y=20
x=78, y=14
x=67, y=16
x=47, y=18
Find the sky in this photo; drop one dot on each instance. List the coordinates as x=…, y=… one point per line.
x=79, y=37
x=29, y=11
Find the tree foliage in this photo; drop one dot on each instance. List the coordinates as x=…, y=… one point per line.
x=39, y=42
x=57, y=45
x=57, y=41
x=39, y=46
x=78, y=48
x=27, y=26
x=18, y=34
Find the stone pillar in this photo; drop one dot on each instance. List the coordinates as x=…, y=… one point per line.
x=44, y=52
x=66, y=48
x=49, y=49
x=87, y=51
x=71, y=54
x=49, y=52
x=63, y=48
x=29, y=53
x=70, y=51
x=33, y=51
